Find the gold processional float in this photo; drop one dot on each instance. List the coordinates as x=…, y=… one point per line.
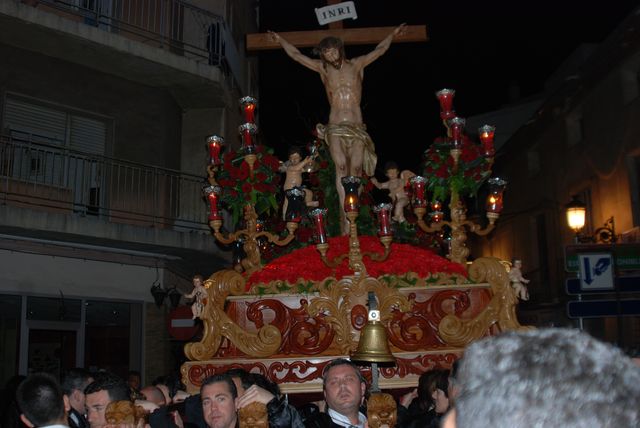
x=381, y=303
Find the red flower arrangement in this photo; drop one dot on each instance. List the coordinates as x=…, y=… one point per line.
x=239, y=188
x=473, y=168
x=305, y=264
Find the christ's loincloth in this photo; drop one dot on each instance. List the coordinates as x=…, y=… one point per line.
x=348, y=134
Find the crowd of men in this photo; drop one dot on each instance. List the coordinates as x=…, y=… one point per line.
x=537, y=378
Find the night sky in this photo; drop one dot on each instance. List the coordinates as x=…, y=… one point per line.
x=482, y=49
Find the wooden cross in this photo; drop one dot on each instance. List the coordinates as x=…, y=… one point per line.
x=350, y=36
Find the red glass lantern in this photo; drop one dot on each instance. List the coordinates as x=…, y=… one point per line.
x=494, y=200
x=486, y=134
x=212, y=194
x=384, y=219
x=215, y=144
x=248, y=130
x=248, y=105
x=418, y=184
x=318, y=216
x=457, y=127
x=445, y=97
x=351, y=185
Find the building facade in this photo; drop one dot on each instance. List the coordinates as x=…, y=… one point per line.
x=104, y=106
x=583, y=141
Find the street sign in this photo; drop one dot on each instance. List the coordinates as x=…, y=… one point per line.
x=596, y=271
x=627, y=256
x=181, y=325
x=603, y=308
x=625, y=284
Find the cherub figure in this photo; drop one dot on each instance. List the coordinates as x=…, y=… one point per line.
x=293, y=169
x=518, y=281
x=395, y=185
x=199, y=294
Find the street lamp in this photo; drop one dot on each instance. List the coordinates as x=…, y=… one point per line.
x=576, y=213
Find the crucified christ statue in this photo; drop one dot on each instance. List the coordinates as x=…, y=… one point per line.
x=350, y=146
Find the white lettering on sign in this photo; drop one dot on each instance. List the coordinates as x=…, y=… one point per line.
x=336, y=12
x=178, y=323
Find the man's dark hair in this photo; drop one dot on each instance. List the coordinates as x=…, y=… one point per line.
x=134, y=373
x=75, y=379
x=341, y=362
x=221, y=378
x=172, y=383
x=263, y=382
x=39, y=397
x=116, y=387
x=426, y=386
x=547, y=377
x=247, y=379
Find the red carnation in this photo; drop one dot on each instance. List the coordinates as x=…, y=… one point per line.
x=243, y=172
x=324, y=164
x=261, y=177
x=234, y=173
x=246, y=188
x=261, y=187
x=467, y=156
x=442, y=172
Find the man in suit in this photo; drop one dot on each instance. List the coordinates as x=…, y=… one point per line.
x=73, y=384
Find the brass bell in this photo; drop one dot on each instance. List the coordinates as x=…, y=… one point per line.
x=373, y=346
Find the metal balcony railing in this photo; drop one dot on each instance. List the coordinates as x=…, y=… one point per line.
x=52, y=178
x=174, y=25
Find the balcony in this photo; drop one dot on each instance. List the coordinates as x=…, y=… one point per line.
x=162, y=43
x=56, y=190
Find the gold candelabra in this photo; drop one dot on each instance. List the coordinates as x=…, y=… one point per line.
x=250, y=235
x=458, y=212
x=458, y=223
x=351, y=186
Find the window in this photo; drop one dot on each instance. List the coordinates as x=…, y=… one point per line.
x=56, y=147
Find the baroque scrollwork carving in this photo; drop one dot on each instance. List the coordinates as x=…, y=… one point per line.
x=334, y=304
x=217, y=323
x=500, y=311
x=337, y=299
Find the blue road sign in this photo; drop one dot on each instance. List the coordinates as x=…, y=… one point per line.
x=627, y=256
x=603, y=308
x=625, y=284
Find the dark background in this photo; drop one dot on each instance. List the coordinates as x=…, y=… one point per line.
x=491, y=53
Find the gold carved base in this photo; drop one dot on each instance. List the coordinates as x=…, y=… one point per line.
x=284, y=335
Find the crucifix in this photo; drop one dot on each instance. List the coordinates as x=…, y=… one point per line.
x=349, y=144
x=350, y=36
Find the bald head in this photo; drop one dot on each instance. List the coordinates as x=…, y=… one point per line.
x=153, y=394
